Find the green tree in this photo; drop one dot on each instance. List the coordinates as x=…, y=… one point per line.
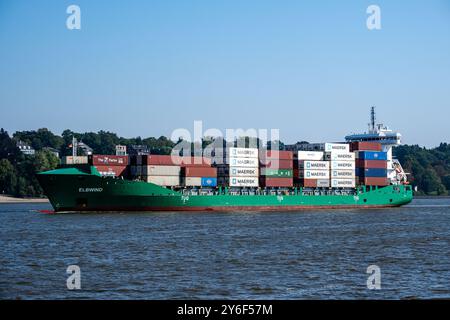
x=8, y=177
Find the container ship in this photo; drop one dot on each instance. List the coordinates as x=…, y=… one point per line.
x=357, y=173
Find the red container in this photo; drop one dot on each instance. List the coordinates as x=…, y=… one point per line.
x=161, y=160
x=107, y=160
x=278, y=164
x=276, y=154
x=365, y=146
x=199, y=172
x=116, y=171
x=372, y=181
x=378, y=164
x=276, y=182
x=194, y=161
x=308, y=183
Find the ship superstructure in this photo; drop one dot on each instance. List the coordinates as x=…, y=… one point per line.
x=388, y=139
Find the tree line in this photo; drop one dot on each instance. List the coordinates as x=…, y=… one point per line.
x=429, y=169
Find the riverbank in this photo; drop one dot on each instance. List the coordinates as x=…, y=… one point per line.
x=10, y=199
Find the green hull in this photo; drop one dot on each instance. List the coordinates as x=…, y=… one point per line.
x=72, y=189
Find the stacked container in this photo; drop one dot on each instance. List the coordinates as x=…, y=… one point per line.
x=310, y=169
x=199, y=176
x=342, y=165
x=371, y=165
x=276, y=168
x=157, y=169
x=240, y=168
x=74, y=160
x=108, y=165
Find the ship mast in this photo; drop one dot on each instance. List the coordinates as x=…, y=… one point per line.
x=372, y=119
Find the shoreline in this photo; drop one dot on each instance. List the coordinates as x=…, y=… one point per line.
x=10, y=199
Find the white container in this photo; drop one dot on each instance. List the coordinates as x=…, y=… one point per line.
x=243, y=172
x=314, y=165
x=342, y=174
x=244, y=162
x=74, y=160
x=243, y=153
x=167, y=181
x=335, y=156
x=337, y=147
x=323, y=183
x=243, y=182
x=310, y=155
x=343, y=183
x=161, y=170
x=314, y=174
x=192, y=181
x=342, y=165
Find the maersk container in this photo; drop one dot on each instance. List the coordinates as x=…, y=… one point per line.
x=244, y=162
x=349, y=174
x=277, y=173
x=209, y=181
x=241, y=172
x=161, y=170
x=243, y=152
x=242, y=181
x=310, y=155
x=166, y=181
x=342, y=165
x=315, y=165
x=314, y=174
x=372, y=155
x=343, y=183
x=333, y=156
x=371, y=172
x=337, y=147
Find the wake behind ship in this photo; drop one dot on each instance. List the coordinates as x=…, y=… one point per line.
x=360, y=173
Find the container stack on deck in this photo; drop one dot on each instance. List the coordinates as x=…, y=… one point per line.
x=371, y=164
x=157, y=169
x=276, y=169
x=109, y=165
x=335, y=165
x=311, y=171
x=342, y=165
x=240, y=168
x=199, y=174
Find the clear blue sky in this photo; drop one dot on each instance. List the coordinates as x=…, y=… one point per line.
x=310, y=68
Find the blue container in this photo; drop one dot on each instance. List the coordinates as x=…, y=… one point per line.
x=372, y=172
x=372, y=155
x=209, y=182
x=358, y=171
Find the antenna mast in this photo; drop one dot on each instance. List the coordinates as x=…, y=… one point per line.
x=372, y=118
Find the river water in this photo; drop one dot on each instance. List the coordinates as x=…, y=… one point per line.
x=244, y=255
